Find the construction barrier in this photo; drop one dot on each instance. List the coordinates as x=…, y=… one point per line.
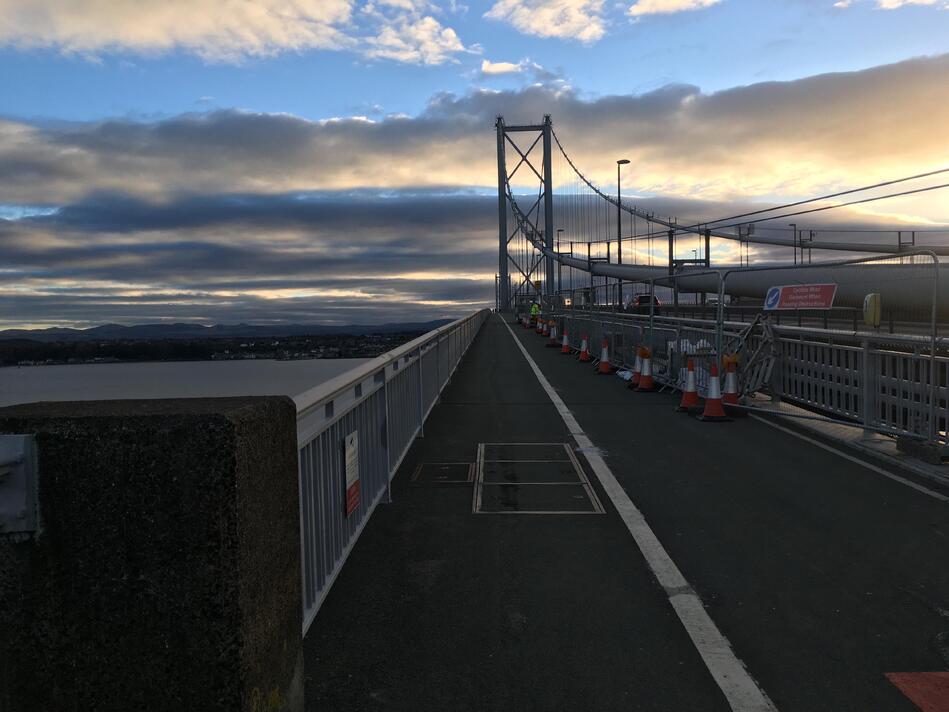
x=604, y=368
x=690, y=395
x=646, y=382
x=714, y=408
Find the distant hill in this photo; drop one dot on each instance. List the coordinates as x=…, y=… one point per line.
x=117, y=332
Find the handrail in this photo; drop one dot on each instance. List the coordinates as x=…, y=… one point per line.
x=382, y=405
x=903, y=339
x=328, y=390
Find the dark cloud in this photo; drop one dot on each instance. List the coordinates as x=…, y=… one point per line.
x=232, y=215
x=276, y=258
x=765, y=139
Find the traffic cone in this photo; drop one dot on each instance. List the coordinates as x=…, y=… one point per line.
x=585, y=350
x=552, y=341
x=565, y=346
x=539, y=325
x=545, y=328
x=646, y=382
x=604, y=368
x=730, y=396
x=637, y=371
x=714, y=411
x=690, y=396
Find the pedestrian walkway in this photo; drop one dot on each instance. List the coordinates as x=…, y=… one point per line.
x=502, y=577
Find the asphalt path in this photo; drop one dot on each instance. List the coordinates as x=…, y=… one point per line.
x=821, y=574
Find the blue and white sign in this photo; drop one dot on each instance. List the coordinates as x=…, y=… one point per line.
x=774, y=296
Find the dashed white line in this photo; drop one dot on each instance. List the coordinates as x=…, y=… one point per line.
x=734, y=680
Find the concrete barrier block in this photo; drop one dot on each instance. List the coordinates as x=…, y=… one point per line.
x=166, y=572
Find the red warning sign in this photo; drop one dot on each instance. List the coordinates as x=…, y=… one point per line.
x=801, y=296
x=352, y=472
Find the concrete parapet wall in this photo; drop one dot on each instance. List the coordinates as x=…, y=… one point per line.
x=166, y=575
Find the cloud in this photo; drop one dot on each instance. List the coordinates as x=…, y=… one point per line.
x=422, y=41
x=666, y=7
x=495, y=68
x=896, y=4
x=317, y=257
x=231, y=30
x=213, y=29
x=565, y=19
x=769, y=139
x=230, y=216
x=247, y=257
x=535, y=72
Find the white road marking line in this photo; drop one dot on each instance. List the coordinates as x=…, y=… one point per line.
x=874, y=468
x=734, y=680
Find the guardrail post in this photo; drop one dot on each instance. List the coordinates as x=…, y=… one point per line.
x=720, y=317
x=652, y=309
x=867, y=408
x=421, y=396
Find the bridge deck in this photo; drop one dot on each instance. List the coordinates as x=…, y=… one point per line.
x=822, y=574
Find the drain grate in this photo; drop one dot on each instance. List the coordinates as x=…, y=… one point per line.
x=531, y=478
x=441, y=473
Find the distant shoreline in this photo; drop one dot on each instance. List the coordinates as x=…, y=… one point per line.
x=187, y=360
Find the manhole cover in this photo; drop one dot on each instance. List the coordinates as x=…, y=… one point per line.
x=437, y=473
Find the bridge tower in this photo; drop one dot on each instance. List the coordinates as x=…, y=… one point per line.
x=539, y=220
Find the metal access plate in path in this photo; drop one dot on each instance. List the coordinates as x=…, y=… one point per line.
x=531, y=478
x=443, y=473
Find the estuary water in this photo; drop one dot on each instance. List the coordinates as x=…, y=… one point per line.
x=167, y=379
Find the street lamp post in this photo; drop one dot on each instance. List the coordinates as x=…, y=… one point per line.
x=559, y=263
x=619, y=223
x=794, y=240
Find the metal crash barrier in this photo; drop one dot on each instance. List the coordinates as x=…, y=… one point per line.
x=353, y=432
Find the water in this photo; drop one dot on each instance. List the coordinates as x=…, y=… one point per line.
x=167, y=379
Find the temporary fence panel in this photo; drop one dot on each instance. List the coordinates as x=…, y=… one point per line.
x=878, y=380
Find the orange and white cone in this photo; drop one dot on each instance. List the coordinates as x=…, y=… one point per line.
x=565, y=346
x=714, y=411
x=690, y=396
x=646, y=382
x=604, y=368
x=545, y=329
x=637, y=370
x=552, y=342
x=585, y=350
x=730, y=396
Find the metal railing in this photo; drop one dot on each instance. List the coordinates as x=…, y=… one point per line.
x=385, y=402
x=890, y=383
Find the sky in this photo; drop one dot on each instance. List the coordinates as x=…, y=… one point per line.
x=332, y=161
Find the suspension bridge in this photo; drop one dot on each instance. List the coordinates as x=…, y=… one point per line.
x=670, y=471
x=611, y=249
x=563, y=538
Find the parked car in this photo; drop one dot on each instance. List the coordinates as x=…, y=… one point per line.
x=639, y=304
